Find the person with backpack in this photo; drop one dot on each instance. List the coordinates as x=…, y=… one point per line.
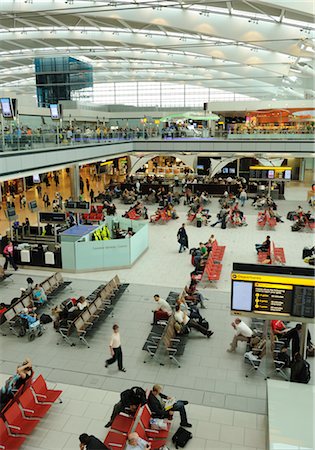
x=300, y=370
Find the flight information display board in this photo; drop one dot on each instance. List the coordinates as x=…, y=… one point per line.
x=277, y=294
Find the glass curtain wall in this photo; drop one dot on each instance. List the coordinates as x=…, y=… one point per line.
x=154, y=94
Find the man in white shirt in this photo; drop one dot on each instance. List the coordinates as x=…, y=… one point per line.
x=242, y=333
x=162, y=310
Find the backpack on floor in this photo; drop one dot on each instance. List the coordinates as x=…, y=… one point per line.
x=45, y=318
x=181, y=437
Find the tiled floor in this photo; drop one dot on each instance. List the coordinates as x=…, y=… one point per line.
x=88, y=409
x=227, y=410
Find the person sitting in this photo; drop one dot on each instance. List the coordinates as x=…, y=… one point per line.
x=278, y=327
x=137, y=443
x=156, y=402
x=82, y=303
x=264, y=247
x=284, y=357
x=242, y=333
x=29, y=288
x=30, y=316
x=300, y=369
x=184, y=321
x=90, y=442
x=39, y=295
x=129, y=401
x=12, y=384
x=210, y=243
x=163, y=310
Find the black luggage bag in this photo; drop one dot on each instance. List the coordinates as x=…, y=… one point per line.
x=307, y=252
x=181, y=437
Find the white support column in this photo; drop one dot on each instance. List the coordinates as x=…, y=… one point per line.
x=75, y=182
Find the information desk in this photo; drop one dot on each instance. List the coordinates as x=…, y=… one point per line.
x=291, y=415
x=39, y=255
x=80, y=253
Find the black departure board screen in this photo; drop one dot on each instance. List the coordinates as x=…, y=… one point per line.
x=273, y=298
x=52, y=217
x=303, y=305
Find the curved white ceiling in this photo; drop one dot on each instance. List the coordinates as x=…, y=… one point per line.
x=261, y=47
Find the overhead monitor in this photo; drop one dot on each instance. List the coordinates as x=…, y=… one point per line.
x=6, y=108
x=32, y=204
x=280, y=291
x=225, y=170
x=36, y=178
x=54, y=111
x=271, y=174
x=52, y=217
x=200, y=166
x=10, y=212
x=232, y=170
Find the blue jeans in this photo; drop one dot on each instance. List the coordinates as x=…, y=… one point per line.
x=181, y=247
x=242, y=200
x=180, y=407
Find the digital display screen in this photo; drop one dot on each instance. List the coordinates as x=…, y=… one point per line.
x=232, y=170
x=6, y=108
x=242, y=296
x=200, y=166
x=273, y=294
x=52, y=217
x=36, y=178
x=32, y=204
x=271, y=174
x=54, y=111
x=11, y=212
x=287, y=174
x=70, y=205
x=225, y=170
x=83, y=205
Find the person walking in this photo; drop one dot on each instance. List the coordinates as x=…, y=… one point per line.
x=8, y=254
x=243, y=197
x=92, y=195
x=46, y=200
x=87, y=182
x=115, y=350
x=182, y=238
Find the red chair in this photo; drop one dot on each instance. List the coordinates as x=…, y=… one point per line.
x=18, y=423
x=31, y=407
x=115, y=440
x=42, y=393
x=9, y=441
x=145, y=421
x=122, y=423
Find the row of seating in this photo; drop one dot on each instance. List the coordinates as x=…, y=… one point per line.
x=213, y=267
x=23, y=413
x=264, y=219
x=51, y=285
x=132, y=215
x=5, y=276
x=93, y=217
x=162, y=342
x=101, y=305
x=276, y=255
x=160, y=216
x=123, y=425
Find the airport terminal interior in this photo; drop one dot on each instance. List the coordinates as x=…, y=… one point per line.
x=157, y=174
